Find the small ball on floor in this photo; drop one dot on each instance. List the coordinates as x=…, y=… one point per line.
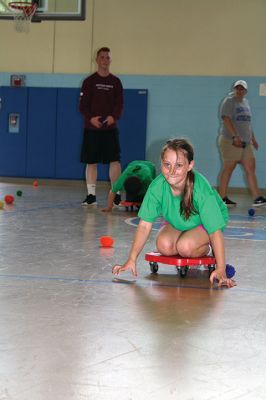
x=251, y=212
x=9, y=199
x=106, y=241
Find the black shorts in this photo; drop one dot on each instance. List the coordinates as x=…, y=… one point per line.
x=100, y=146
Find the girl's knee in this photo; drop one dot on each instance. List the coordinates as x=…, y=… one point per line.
x=185, y=248
x=165, y=247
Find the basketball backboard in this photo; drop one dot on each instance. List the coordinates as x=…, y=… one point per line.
x=67, y=10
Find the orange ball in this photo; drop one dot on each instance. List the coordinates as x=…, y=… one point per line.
x=9, y=199
x=106, y=241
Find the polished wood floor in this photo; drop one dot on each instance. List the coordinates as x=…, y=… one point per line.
x=71, y=331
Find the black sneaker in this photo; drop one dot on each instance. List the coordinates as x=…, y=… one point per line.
x=229, y=203
x=117, y=199
x=259, y=201
x=90, y=200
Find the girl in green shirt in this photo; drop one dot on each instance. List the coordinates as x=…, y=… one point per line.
x=195, y=213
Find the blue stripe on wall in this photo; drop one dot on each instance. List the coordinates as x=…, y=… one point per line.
x=182, y=106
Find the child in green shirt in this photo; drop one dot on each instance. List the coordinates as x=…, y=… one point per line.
x=195, y=213
x=134, y=180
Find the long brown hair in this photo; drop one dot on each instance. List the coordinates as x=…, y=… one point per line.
x=186, y=204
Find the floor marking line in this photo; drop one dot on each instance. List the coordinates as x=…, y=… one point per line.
x=125, y=282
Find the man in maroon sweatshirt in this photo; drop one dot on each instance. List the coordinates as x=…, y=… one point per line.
x=101, y=104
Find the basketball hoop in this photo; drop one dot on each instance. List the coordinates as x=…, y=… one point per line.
x=23, y=13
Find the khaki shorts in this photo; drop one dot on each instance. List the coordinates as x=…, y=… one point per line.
x=233, y=153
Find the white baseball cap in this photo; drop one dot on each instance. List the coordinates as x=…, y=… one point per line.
x=241, y=83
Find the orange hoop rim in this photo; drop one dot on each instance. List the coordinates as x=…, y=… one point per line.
x=26, y=7
x=19, y=5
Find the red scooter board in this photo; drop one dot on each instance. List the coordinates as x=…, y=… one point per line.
x=182, y=263
x=130, y=204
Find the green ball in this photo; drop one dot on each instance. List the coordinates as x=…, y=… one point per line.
x=19, y=193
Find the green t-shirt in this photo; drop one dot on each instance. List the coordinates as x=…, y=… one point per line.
x=144, y=170
x=160, y=201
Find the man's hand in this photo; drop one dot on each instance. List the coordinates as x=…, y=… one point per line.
x=237, y=142
x=95, y=121
x=110, y=120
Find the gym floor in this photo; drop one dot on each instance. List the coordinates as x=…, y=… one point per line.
x=71, y=331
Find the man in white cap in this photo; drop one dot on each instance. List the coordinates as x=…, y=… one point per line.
x=236, y=143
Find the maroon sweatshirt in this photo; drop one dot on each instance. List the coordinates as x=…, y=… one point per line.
x=101, y=96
